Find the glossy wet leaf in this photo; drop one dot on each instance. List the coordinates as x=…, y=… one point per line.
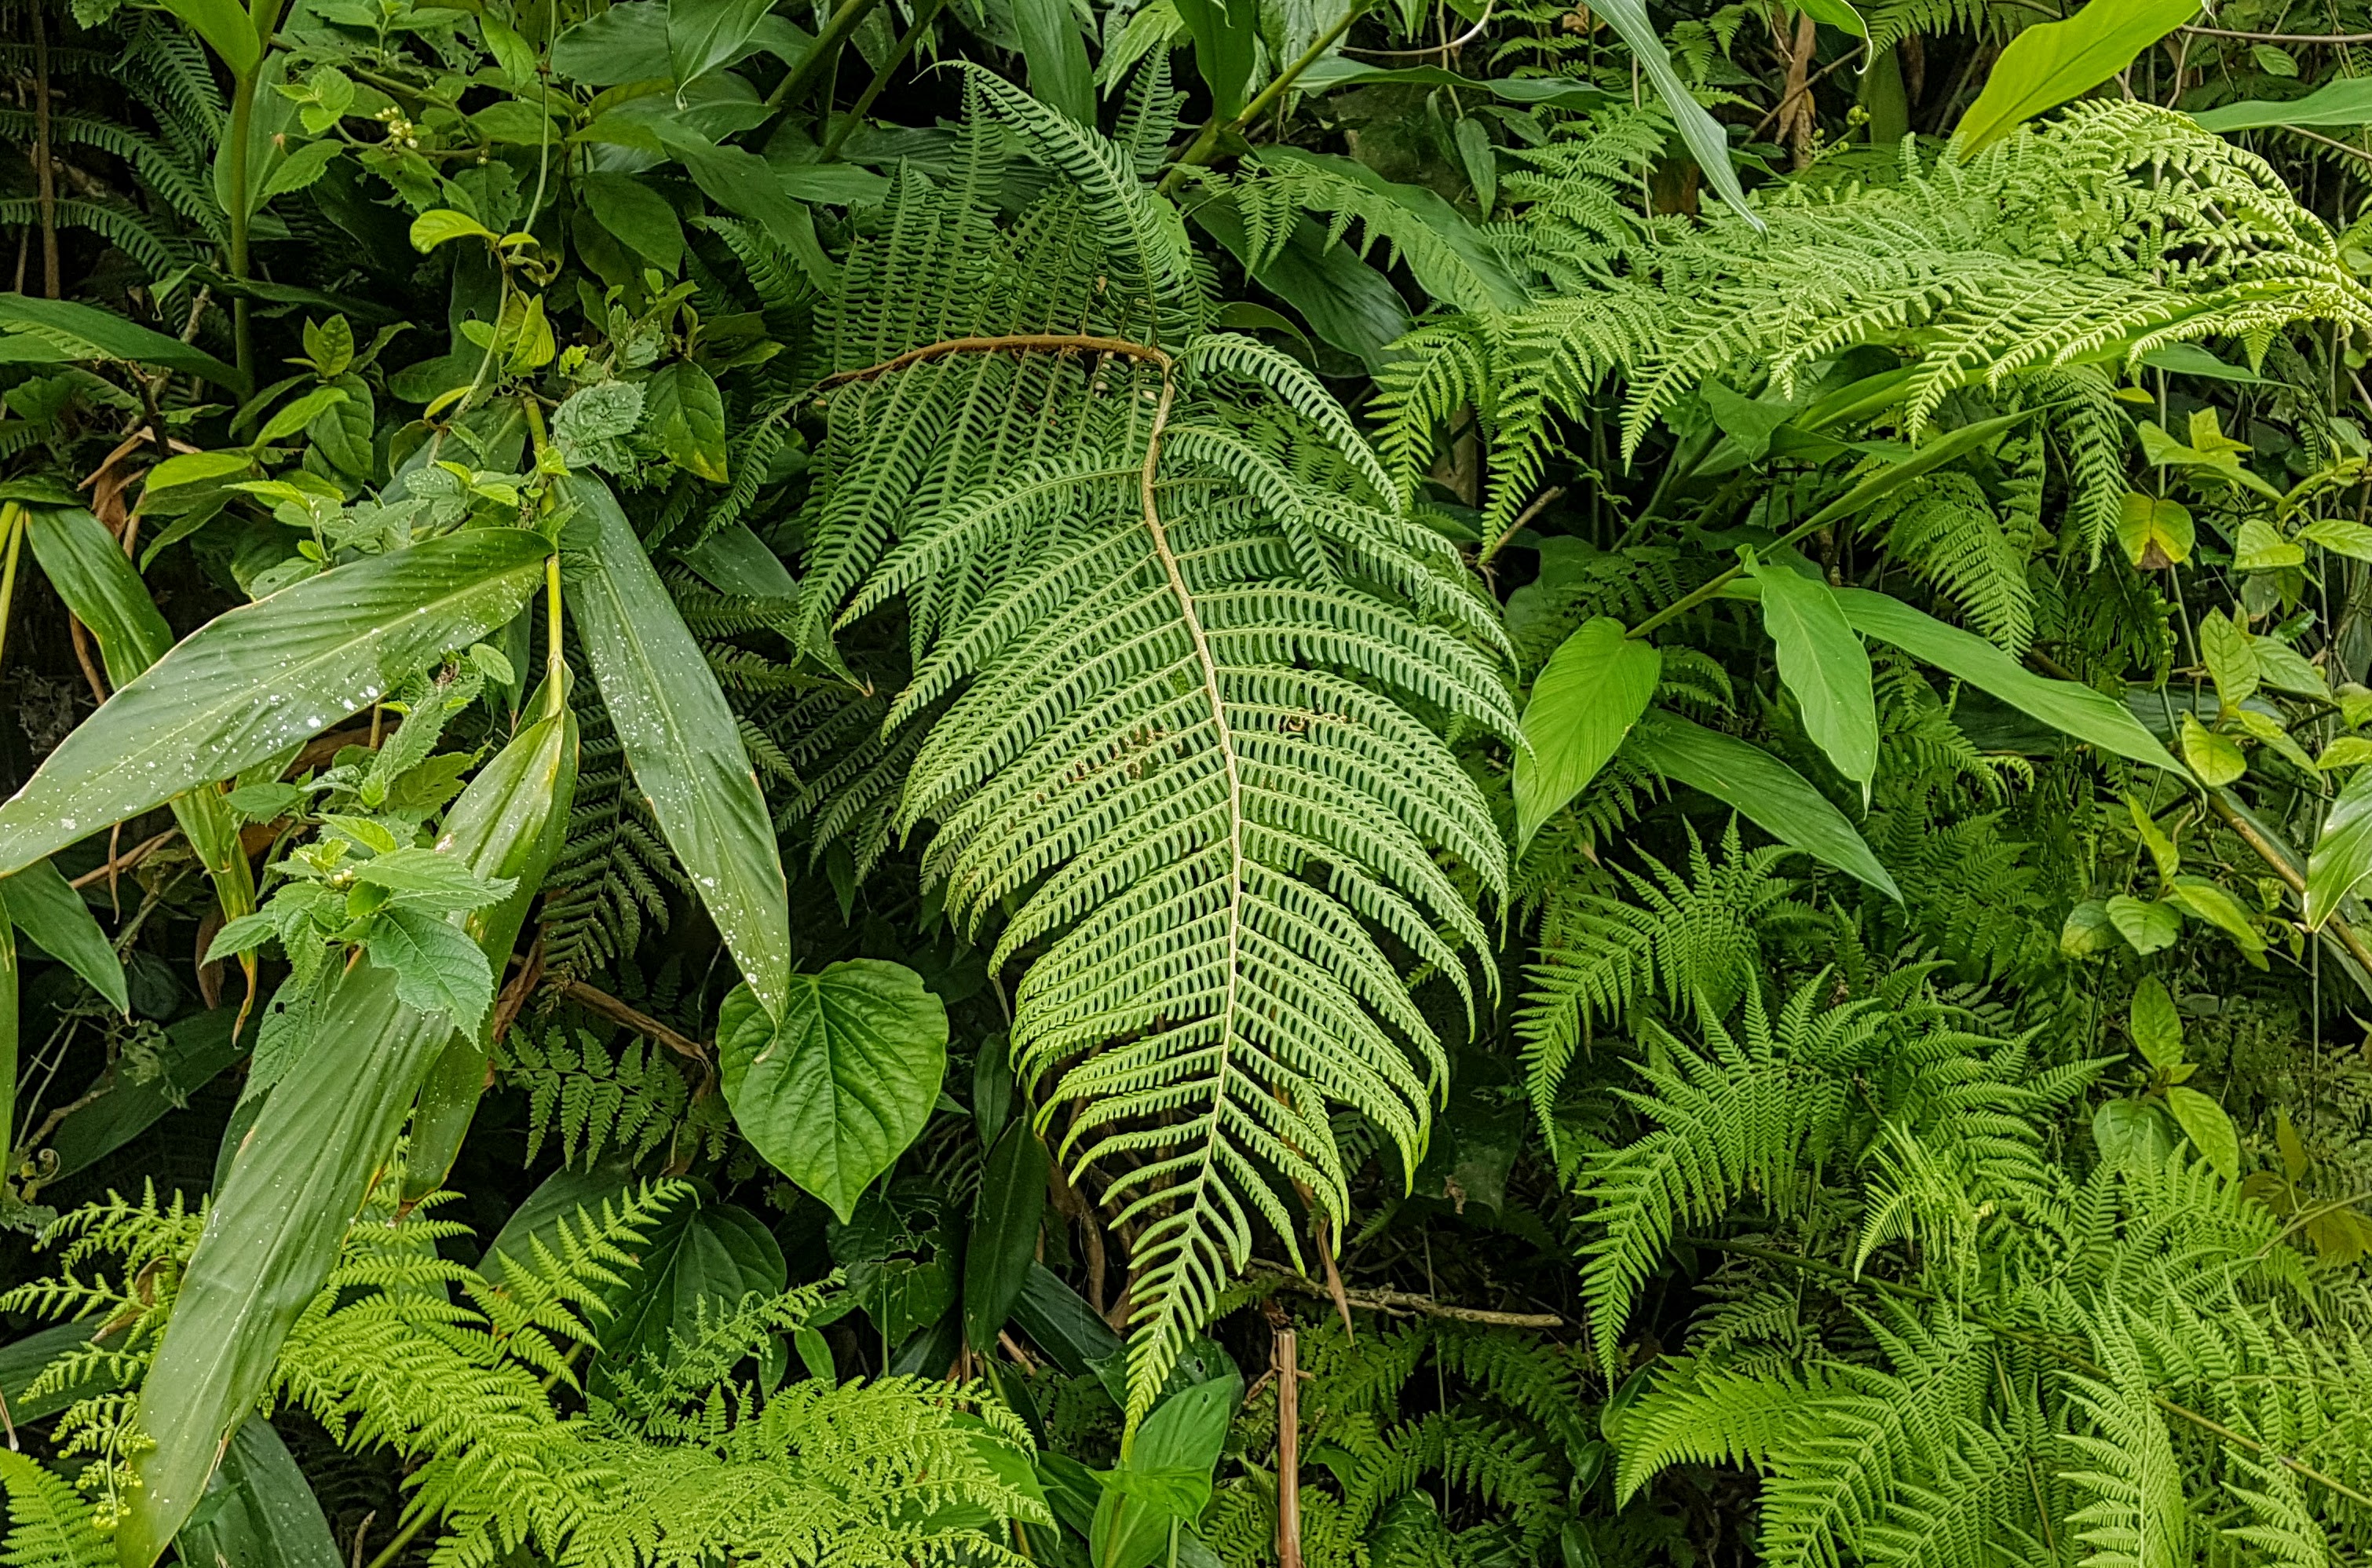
x=267, y=676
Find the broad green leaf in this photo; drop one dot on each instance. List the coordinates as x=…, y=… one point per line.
x=1004, y=1232
x=2147, y=927
x=1226, y=45
x=438, y=225
x=1164, y=1475
x=2154, y=1025
x=833, y=1094
x=2132, y=1135
x=2156, y=533
x=1765, y=790
x=267, y=676
x=1592, y=691
x=2230, y=654
x=262, y=1513
x=2209, y=1129
x=430, y=881
x=704, y=1256
x=1056, y=55
x=734, y=561
x=2347, y=751
x=2215, y=904
x=228, y=30
x=2284, y=668
x=1708, y=141
x=58, y=332
x=743, y=183
x=2343, y=850
x=1823, y=663
x=2066, y=706
x=680, y=739
x=288, y=420
x=2087, y=930
x=43, y=906
x=687, y=416
x=2262, y=548
x=2048, y=64
x=299, y=1175
x=703, y=35
x=638, y=216
x=2345, y=101
x=2212, y=756
x=190, y=471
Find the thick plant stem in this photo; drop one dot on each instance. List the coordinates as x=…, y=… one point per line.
x=12, y=529
x=924, y=17
x=1205, y=146
x=828, y=45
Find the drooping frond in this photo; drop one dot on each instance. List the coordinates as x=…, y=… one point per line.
x=1181, y=660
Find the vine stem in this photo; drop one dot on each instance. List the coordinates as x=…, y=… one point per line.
x=1205, y=146
x=2043, y=1342
x=828, y=44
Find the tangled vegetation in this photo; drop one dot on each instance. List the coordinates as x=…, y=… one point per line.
x=1185, y=783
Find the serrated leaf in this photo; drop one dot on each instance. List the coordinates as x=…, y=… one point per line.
x=835, y=1092
x=687, y=418
x=1593, y=689
x=427, y=880
x=437, y=970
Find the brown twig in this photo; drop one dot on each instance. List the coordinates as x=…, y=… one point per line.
x=1403, y=1304
x=1287, y=1362
x=128, y=859
x=635, y=1019
x=1538, y=504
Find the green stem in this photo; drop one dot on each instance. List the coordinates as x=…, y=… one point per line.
x=12, y=528
x=242, y=116
x=828, y=45
x=1207, y=147
x=924, y=17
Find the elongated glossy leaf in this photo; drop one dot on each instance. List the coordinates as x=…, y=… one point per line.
x=265, y=1515
x=1763, y=789
x=521, y=799
x=1708, y=143
x=8, y=1011
x=2343, y=854
x=2046, y=65
x=97, y=581
x=293, y=1184
x=43, y=906
x=266, y=676
x=681, y=740
x=1593, y=689
x=1004, y=1232
x=60, y=331
x=1060, y=75
x=834, y=1094
x=704, y=34
x=2345, y=101
x=1823, y=663
x=2068, y=706
x=1226, y=45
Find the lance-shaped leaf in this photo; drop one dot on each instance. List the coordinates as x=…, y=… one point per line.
x=59, y=332
x=836, y=1091
x=681, y=740
x=303, y=1169
x=1708, y=143
x=262, y=677
x=97, y=581
x=1763, y=789
x=2343, y=852
x=43, y=905
x=1823, y=663
x=265, y=1515
x=2046, y=65
x=1003, y=1233
x=1593, y=689
x=2068, y=706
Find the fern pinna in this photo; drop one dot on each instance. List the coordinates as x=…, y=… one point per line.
x=1194, y=661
